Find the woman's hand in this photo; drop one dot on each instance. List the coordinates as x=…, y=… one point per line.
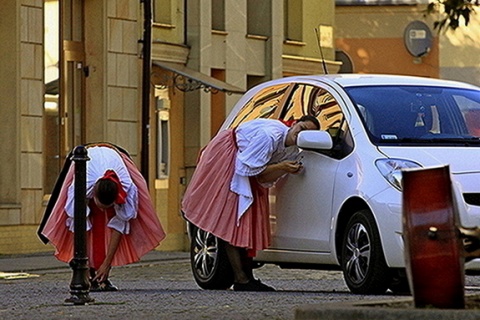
x=102, y=273
x=293, y=167
x=104, y=270
x=275, y=171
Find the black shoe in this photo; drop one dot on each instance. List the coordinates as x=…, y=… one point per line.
x=93, y=285
x=252, y=285
x=102, y=286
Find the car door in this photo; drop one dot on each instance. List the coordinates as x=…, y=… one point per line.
x=301, y=205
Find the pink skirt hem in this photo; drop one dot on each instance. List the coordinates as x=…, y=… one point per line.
x=146, y=232
x=210, y=204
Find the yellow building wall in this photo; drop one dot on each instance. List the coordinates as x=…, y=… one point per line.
x=22, y=169
x=31, y=110
x=373, y=37
x=113, y=101
x=309, y=37
x=388, y=55
x=168, y=21
x=460, y=52
x=460, y=47
x=168, y=190
x=312, y=15
x=21, y=239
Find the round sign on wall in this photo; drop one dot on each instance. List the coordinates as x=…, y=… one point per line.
x=418, y=38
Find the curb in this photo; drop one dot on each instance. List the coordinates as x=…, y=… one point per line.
x=379, y=310
x=46, y=262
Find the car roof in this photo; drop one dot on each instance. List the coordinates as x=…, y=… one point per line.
x=351, y=80
x=346, y=80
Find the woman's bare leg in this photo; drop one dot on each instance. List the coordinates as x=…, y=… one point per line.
x=235, y=257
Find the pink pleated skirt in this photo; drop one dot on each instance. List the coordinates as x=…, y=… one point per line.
x=209, y=204
x=146, y=232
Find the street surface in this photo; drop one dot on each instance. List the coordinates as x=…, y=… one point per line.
x=165, y=289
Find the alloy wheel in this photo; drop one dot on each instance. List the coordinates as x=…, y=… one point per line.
x=205, y=253
x=358, y=249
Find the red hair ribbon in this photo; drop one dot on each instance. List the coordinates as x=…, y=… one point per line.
x=289, y=123
x=121, y=195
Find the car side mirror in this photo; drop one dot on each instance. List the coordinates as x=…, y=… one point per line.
x=314, y=139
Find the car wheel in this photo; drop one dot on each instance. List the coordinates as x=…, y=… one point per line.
x=210, y=266
x=362, y=260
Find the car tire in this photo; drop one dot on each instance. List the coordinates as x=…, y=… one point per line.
x=363, y=263
x=209, y=262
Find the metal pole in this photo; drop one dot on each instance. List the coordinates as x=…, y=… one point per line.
x=147, y=66
x=80, y=284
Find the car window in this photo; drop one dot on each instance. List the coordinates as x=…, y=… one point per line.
x=471, y=113
x=318, y=102
x=328, y=112
x=298, y=103
x=262, y=105
x=418, y=114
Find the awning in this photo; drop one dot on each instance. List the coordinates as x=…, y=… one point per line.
x=194, y=80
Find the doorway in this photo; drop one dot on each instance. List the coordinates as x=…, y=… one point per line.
x=64, y=115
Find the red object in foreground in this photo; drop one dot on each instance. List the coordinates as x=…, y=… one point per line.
x=433, y=248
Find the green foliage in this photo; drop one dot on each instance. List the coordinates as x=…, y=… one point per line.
x=451, y=12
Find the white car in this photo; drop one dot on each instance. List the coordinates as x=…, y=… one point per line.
x=345, y=211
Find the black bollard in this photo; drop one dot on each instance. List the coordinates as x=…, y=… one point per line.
x=80, y=285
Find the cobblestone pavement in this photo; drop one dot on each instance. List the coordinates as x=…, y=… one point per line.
x=165, y=289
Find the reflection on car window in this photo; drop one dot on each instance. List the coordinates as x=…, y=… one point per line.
x=328, y=112
x=262, y=105
x=306, y=99
x=410, y=113
x=471, y=113
x=297, y=105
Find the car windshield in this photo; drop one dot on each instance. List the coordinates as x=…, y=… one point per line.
x=406, y=115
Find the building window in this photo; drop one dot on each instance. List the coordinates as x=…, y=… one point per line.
x=218, y=15
x=293, y=20
x=163, y=136
x=379, y=2
x=259, y=18
x=162, y=11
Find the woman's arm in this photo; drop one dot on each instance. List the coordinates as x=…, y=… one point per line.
x=104, y=270
x=274, y=171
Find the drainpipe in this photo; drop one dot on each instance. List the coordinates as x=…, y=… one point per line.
x=147, y=66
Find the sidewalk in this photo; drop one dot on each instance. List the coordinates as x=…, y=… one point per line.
x=46, y=262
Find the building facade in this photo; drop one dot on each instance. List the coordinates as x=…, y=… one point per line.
x=72, y=72
x=374, y=35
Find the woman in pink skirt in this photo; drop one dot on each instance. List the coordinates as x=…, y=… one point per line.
x=122, y=224
x=228, y=193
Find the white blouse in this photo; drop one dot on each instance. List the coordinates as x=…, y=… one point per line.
x=101, y=160
x=260, y=142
